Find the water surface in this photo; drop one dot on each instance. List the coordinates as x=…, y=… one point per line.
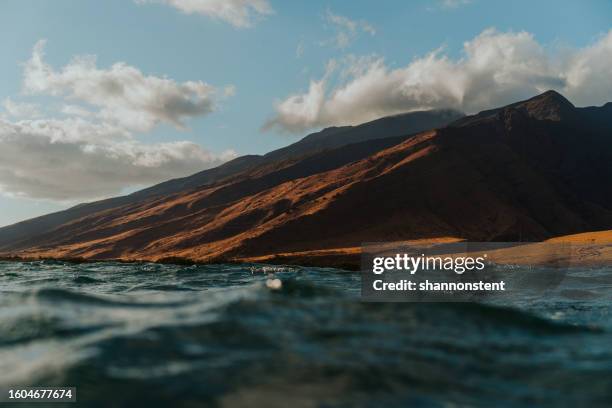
x=164, y=335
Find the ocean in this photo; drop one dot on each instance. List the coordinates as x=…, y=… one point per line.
x=218, y=335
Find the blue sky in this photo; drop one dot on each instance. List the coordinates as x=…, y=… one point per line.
x=286, y=51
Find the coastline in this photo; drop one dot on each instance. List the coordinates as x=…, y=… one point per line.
x=585, y=250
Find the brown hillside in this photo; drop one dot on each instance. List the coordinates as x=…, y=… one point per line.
x=530, y=171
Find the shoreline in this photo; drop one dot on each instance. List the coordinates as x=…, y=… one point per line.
x=583, y=249
x=183, y=261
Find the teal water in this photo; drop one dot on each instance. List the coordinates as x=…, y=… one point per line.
x=162, y=335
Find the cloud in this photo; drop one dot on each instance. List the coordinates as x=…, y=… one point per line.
x=76, y=110
x=239, y=13
x=122, y=93
x=495, y=69
x=71, y=159
x=20, y=109
x=89, y=149
x=588, y=73
x=453, y=4
x=229, y=90
x=347, y=29
x=299, y=49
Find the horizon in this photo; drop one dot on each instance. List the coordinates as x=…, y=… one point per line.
x=87, y=117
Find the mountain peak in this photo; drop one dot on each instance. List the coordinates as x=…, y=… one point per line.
x=551, y=97
x=550, y=105
x=551, y=93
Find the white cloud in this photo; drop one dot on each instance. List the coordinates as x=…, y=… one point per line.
x=588, y=73
x=239, y=13
x=123, y=93
x=20, y=109
x=89, y=150
x=229, y=90
x=347, y=29
x=453, y=4
x=72, y=159
x=496, y=69
x=299, y=49
x=76, y=110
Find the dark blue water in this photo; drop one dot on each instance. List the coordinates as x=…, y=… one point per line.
x=162, y=335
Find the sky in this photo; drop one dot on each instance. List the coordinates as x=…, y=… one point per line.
x=100, y=98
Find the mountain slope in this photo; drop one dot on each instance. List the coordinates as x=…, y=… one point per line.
x=397, y=125
x=390, y=126
x=529, y=171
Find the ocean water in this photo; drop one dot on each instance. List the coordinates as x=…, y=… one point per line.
x=196, y=336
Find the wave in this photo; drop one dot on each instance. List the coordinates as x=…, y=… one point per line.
x=229, y=338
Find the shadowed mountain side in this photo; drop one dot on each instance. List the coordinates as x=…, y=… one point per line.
x=397, y=125
x=390, y=126
x=155, y=213
x=11, y=235
x=527, y=172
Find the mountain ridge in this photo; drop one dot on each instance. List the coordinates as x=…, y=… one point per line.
x=527, y=171
x=411, y=122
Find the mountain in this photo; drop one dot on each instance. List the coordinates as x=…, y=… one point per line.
x=390, y=126
x=529, y=171
x=397, y=125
